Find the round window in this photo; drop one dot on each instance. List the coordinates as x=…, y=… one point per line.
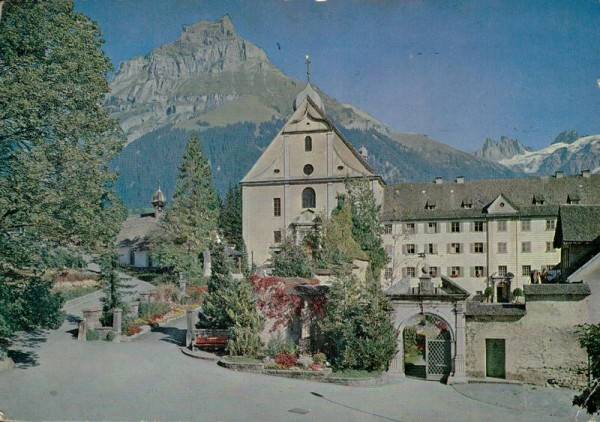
x=308, y=169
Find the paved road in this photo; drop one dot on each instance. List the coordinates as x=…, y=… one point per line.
x=150, y=379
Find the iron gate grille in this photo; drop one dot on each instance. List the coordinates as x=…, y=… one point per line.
x=438, y=358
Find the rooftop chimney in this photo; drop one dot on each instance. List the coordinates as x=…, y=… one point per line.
x=438, y=180
x=559, y=174
x=585, y=173
x=460, y=179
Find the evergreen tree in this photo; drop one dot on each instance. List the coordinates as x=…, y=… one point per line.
x=230, y=222
x=189, y=226
x=55, y=141
x=114, y=288
x=292, y=261
x=222, y=289
x=357, y=326
x=366, y=228
x=244, y=335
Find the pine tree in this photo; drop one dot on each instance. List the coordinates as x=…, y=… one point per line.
x=357, y=327
x=222, y=289
x=55, y=142
x=189, y=226
x=115, y=290
x=230, y=222
x=244, y=335
x=292, y=261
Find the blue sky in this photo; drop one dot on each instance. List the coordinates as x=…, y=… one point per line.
x=458, y=71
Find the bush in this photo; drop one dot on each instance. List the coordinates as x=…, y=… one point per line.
x=286, y=360
x=110, y=336
x=319, y=358
x=92, y=335
x=153, y=310
x=277, y=345
x=305, y=361
x=517, y=292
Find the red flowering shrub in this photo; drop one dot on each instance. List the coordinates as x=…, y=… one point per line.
x=315, y=367
x=131, y=330
x=287, y=360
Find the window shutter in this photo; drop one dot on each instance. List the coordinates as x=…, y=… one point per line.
x=449, y=227
x=472, y=271
x=472, y=247
x=448, y=271
x=403, y=272
x=435, y=250
x=404, y=249
x=484, y=248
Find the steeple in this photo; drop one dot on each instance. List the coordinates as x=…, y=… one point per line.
x=308, y=91
x=158, y=201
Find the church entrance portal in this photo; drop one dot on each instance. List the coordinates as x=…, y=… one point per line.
x=427, y=347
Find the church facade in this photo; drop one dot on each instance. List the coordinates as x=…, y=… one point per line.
x=297, y=177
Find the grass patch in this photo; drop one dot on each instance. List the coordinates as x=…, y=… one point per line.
x=354, y=373
x=76, y=292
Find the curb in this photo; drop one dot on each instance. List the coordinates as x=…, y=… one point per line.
x=199, y=355
x=6, y=364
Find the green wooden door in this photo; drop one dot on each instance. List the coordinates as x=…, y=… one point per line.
x=495, y=358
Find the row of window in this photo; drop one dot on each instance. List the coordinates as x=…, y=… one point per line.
x=458, y=271
x=458, y=248
x=459, y=227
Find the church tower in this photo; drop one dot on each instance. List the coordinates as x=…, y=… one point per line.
x=158, y=201
x=298, y=175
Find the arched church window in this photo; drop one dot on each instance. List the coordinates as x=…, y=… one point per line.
x=309, y=198
x=308, y=143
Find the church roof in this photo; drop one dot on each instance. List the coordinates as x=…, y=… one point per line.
x=158, y=197
x=408, y=201
x=135, y=230
x=309, y=92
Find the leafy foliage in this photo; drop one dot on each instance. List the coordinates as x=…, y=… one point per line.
x=55, y=141
x=188, y=227
x=357, y=326
x=366, y=228
x=292, y=261
x=589, y=339
x=230, y=222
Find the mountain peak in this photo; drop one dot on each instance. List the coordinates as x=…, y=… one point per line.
x=220, y=29
x=566, y=137
x=499, y=150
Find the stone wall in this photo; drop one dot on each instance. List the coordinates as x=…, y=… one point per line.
x=541, y=346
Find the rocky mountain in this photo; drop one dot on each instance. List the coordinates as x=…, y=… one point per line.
x=566, y=137
x=568, y=157
x=212, y=81
x=500, y=150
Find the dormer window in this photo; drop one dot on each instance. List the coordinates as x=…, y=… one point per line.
x=308, y=144
x=430, y=205
x=538, y=199
x=573, y=199
x=467, y=203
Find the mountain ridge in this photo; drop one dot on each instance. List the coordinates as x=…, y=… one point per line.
x=211, y=81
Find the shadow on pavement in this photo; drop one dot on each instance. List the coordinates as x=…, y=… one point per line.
x=21, y=347
x=172, y=335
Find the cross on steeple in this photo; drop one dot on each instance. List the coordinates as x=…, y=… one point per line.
x=307, y=68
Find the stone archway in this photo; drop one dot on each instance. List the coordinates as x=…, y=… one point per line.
x=428, y=344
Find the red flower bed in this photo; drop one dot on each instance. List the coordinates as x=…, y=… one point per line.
x=132, y=330
x=286, y=360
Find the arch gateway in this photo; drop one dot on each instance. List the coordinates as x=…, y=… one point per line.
x=431, y=324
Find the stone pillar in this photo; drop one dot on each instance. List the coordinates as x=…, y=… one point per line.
x=117, y=319
x=190, y=327
x=459, y=373
x=82, y=330
x=207, y=264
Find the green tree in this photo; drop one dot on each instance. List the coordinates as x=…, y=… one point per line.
x=357, y=326
x=222, y=289
x=292, y=261
x=115, y=290
x=589, y=339
x=366, y=227
x=189, y=226
x=55, y=143
x=230, y=221
x=244, y=334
